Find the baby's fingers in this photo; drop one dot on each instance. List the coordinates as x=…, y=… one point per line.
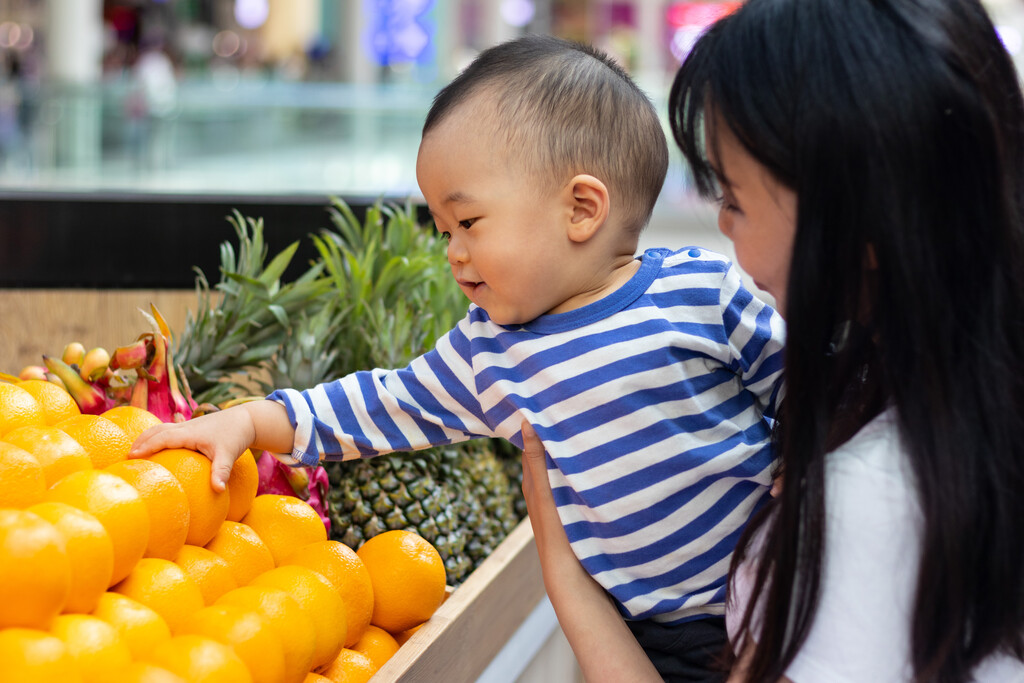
x=220, y=472
x=156, y=438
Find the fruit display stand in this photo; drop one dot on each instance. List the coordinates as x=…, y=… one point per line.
x=496, y=626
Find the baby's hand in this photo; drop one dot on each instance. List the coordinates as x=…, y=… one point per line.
x=220, y=436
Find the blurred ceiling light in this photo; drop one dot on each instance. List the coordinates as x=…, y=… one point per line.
x=683, y=39
x=226, y=43
x=517, y=12
x=10, y=33
x=251, y=13
x=27, y=36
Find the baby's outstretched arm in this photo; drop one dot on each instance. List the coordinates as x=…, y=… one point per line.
x=223, y=436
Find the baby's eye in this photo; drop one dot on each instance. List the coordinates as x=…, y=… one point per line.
x=447, y=236
x=468, y=223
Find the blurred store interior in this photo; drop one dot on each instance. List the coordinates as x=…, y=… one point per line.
x=287, y=102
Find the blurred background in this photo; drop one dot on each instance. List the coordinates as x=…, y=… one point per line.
x=128, y=117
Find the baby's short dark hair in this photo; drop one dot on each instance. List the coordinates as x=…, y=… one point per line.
x=567, y=108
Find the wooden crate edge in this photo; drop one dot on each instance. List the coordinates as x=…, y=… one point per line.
x=476, y=621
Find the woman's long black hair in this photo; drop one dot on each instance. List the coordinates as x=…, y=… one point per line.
x=898, y=123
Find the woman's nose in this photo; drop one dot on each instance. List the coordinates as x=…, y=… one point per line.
x=725, y=223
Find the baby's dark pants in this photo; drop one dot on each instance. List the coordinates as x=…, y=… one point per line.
x=691, y=652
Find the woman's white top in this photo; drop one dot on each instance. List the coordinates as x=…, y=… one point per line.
x=861, y=631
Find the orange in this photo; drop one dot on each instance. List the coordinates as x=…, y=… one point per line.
x=408, y=579
x=94, y=646
x=90, y=552
x=35, y=573
x=377, y=644
x=292, y=625
x=242, y=486
x=210, y=571
x=165, y=588
x=106, y=442
x=55, y=401
x=132, y=419
x=199, y=659
x=207, y=508
x=350, y=667
x=402, y=637
x=246, y=632
x=165, y=501
x=244, y=551
x=117, y=505
x=317, y=596
x=285, y=523
x=340, y=565
x=22, y=481
x=57, y=452
x=312, y=677
x=32, y=656
x=140, y=627
x=145, y=672
x=18, y=408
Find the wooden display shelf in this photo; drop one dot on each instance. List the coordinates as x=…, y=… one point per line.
x=477, y=620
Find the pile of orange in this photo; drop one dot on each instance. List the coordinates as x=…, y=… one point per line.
x=130, y=570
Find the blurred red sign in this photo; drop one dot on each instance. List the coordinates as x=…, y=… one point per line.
x=698, y=13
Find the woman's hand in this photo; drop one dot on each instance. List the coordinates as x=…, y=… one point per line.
x=552, y=543
x=604, y=646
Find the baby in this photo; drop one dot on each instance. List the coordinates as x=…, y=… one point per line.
x=649, y=379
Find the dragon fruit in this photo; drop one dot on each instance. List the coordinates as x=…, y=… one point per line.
x=157, y=387
x=142, y=374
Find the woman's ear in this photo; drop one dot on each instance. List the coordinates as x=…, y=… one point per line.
x=588, y=199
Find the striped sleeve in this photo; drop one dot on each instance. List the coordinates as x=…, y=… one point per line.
x=756, y=339
x=430, y=402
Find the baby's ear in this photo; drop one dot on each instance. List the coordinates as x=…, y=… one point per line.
x=588, y=197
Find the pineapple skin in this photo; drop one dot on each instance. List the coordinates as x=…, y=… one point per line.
x=459, y=498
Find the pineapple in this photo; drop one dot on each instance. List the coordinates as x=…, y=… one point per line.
x=378, y=296
x=402, y=298
x=401, y=491
x=246, y=325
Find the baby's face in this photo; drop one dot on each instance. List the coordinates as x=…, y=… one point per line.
x=506, y=248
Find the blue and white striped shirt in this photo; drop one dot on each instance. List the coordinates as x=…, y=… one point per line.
x=651, y=404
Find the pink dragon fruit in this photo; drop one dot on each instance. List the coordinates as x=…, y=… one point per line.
x=99, y=381
x=157, y=387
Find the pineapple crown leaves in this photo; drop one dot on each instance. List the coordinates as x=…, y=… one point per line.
x=308, y=356
x=249, y=321
x=393, y=276
x=378, y=295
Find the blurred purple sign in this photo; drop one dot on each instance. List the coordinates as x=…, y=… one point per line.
x=398, y=30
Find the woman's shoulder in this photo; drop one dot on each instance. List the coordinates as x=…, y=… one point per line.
x=875, y=453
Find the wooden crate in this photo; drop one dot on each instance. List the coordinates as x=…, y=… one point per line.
x=38, y=321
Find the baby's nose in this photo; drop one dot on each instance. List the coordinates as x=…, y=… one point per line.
x=457, y=252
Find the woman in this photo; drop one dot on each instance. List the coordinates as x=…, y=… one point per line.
x=870, y=163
